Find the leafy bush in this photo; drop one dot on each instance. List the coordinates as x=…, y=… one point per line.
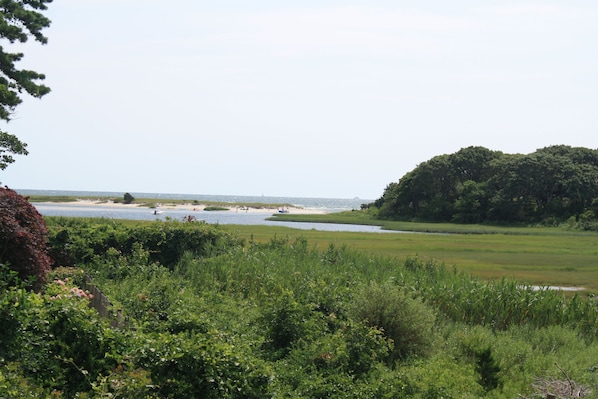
x=202, y=365
x=14, y=385
x=54, y=340
x=443, y=375
x=286, y=321
x=13, y=313
x=406, y=321
x=23, y=238
x=354, y=349
x=67, y=345
x=80, y=240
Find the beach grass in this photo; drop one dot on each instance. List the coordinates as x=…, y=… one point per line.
x=52, y=198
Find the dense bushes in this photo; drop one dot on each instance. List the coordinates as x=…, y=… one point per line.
x=282, y=320
x=80, y=240
x=23, y=238
x=56, y=342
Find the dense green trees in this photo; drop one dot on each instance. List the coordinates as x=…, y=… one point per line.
x=477, y=185
x=19, y=20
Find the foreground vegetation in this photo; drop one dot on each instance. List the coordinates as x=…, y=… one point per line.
x=208, y=314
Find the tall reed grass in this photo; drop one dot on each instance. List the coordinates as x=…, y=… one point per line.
x=264, y=270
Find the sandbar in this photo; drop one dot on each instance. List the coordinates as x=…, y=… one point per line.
x=195, y=207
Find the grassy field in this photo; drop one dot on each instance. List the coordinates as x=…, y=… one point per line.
x=538, y=256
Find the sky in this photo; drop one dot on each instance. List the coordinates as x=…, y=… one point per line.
x=330, y=99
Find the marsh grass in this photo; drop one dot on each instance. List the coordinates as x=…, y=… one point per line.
x=363, y=218
x=54, y=198
x=548, y=258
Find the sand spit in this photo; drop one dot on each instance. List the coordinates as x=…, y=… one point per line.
x=195, y=207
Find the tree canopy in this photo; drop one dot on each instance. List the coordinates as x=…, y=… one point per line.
x=19, y=21
x=476, y=185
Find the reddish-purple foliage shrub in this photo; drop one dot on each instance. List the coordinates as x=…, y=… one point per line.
x=23, y=238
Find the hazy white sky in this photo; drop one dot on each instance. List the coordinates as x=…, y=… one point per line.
x=311, y=99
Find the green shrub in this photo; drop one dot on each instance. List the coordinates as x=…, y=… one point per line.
x=14, y=385
x=126, y=383
x=14, y=308
x=58, y=342
x=69, y=343
x=128, y=198
x=354, y=349
x=215, y=208
x=442, y=376
x=286, y=321
x=80, y=240
x=404, y=320
x=202, y=366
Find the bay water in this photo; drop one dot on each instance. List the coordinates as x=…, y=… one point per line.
x=233, y=216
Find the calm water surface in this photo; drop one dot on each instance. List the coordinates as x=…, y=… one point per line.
x=215, y=217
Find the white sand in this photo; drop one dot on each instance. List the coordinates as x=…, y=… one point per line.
x=267, y=209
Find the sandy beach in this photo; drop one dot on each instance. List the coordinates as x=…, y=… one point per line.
x=197, y=207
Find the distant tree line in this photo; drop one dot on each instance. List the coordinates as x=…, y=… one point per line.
x=477, y=185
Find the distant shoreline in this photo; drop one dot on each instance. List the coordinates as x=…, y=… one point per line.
x=178, y=204
x=233, y=202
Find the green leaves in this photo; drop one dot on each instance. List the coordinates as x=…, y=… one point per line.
x=476, y=185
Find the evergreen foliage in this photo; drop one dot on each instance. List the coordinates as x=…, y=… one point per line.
x=19, y=20
x=488, y=369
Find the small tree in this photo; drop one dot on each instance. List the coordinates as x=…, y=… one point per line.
x=23, y=238
x=488, y=369
x=128, y=198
